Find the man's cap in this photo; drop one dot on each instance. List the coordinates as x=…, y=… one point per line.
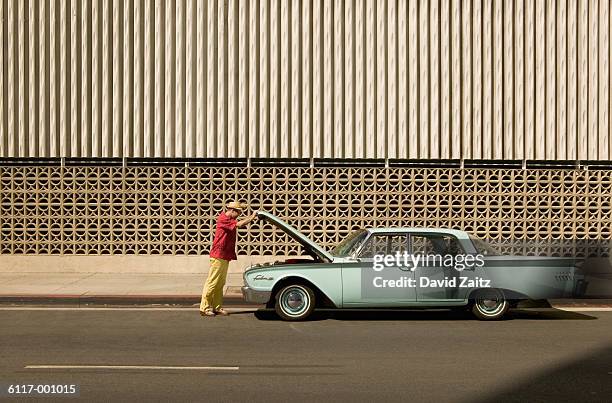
x=237, y=205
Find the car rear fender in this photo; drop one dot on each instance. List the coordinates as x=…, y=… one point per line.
x=510, y=295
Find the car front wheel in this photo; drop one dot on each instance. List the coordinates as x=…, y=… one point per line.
x=295, y=302
x=490, y=305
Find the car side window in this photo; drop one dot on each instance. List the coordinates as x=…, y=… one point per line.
x=435, y=244
x=384, y=244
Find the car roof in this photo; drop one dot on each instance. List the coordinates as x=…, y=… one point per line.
x=450, y=231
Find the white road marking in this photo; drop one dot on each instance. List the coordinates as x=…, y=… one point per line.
x=148, y=367
x=586, y=309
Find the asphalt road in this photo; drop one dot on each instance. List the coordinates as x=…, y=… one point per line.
x=356, y=356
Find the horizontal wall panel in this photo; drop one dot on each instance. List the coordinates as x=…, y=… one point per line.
x=444, y=79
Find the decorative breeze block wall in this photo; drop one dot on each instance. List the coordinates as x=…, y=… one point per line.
x=152, y=210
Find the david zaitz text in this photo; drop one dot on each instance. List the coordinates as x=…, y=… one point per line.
x=424, y=282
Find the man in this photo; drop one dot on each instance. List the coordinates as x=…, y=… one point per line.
x=222, y=252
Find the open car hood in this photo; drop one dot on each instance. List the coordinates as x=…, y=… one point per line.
x=311, y=248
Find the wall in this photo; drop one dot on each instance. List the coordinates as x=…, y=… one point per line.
x=78, y=211
x=345, y=78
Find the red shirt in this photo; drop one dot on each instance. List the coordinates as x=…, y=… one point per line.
x=224, y=243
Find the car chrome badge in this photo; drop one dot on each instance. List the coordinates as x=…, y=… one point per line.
x=262, y=277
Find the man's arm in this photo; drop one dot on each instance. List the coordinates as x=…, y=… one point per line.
x=247, y=220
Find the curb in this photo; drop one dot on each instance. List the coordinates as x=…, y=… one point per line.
x=114, y=300
x=581, y=303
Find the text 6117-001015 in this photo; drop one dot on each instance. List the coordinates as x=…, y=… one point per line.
x=37, y=389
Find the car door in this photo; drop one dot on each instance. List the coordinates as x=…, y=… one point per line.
x=362, y=283
x=435, y=280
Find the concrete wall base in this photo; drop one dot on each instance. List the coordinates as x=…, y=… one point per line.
x=121, y=264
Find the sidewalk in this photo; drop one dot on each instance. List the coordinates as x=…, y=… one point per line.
x=111, y=288
x=185, y=289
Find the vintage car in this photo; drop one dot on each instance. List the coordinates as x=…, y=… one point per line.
x=356, y=275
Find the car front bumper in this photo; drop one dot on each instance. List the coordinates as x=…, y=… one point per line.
x=256, y=297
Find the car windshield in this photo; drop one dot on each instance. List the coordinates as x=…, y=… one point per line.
x=483, y=247
x=350, y=243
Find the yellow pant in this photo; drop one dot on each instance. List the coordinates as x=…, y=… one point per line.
x=212, y=295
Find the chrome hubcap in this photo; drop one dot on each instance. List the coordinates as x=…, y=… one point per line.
x=491, y=304
x=294, y=301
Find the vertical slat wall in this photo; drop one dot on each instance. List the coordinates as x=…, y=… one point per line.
x=491, y=79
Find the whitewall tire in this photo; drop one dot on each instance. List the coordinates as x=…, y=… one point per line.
x=490, y=305
x=295, y=302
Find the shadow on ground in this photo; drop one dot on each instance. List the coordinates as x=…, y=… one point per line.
x=586, y=379
x=430, y=315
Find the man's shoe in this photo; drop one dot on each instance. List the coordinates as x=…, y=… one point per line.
x=222, y=312
x=208, y=312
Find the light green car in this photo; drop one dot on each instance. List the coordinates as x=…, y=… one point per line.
x=405, y=268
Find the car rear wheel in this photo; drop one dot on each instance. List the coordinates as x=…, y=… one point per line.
x=294, y=302
x=490, y=305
